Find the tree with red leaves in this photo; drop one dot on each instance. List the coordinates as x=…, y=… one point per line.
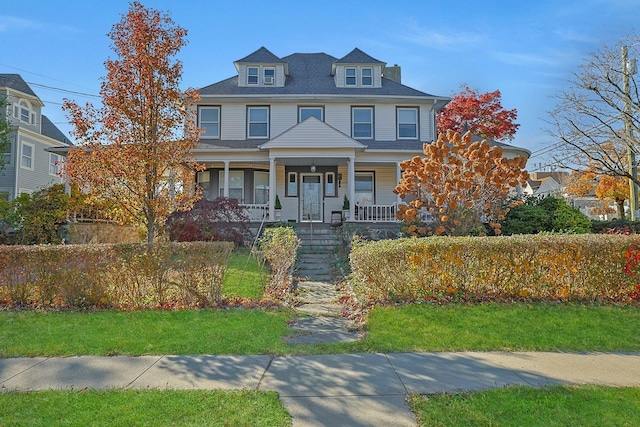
x=483, y=115
x=136, y=151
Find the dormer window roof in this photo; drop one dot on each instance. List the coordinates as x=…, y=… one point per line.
x=356, y=57
x=262, y=57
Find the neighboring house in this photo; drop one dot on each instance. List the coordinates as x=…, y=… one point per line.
x=312, y=129
x=28, y=164
x=542, y=184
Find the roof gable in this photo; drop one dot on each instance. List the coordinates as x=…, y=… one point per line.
x=356, y=56
x=15, y=82
x=312, y=133
x=260, y=56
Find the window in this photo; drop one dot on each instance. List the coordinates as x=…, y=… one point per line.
x=252, y=75
x=26, y=156
x=209, y=118
x=292, y=184
x=269, y=76
x=367, y=77
x=54, y=164
x=305, y=112
x=261, y=188
x=258, y=122
x=407, y=123
x=24, y=112
x=236, y=185
x=362, y=122
x=330, y=187
x=204, y=181
x=364, y=188
x=8, y=155
x=350, y=77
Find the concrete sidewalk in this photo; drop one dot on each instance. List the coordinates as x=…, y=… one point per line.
x=328, y=390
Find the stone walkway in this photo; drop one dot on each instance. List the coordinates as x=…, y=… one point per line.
x=320, y=318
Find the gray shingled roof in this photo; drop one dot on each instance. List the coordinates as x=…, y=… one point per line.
x=49, y=129
x=356, y=56
x=15, y=82
x=309, y=74
x=261, y=56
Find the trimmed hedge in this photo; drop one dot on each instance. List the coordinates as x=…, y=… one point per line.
x=534, y=267
x=118, y=276
x=278, y=247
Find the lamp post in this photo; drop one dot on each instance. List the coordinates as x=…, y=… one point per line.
x=629, y=68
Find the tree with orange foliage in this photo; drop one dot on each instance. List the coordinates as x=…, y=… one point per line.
x=482, y=113
x=605, y=187
x=135, y=151
x=461, y=183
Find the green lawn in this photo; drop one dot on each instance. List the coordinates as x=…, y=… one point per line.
x=522, y=406
x=245, y=277
x=142, y=408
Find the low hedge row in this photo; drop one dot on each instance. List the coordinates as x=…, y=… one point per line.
x=118, y=276
x=534, y=267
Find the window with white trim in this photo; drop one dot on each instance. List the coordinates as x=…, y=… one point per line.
x=26, y=155
x=292, y=184
x=362, y=122
x=8, y=155
x=305, y=112
x=24, y=112
x=364, y=188
x=209, y=120
x=252, y=75
x=203, y=178
x=260, y=187
x=366, y=78
x=269, y=76
x=407, y=123
x=236, y=185
x=258, y=122
x=330, y=184
x=350, y=78
x=54, y=164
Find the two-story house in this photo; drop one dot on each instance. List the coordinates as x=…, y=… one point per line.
x=313, y=129
x=29, y=165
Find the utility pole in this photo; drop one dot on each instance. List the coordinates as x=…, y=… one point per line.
x=627, y=69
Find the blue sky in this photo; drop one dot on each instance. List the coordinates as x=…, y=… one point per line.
x=526, y=49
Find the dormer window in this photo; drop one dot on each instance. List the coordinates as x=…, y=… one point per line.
x=252, y=75
x=350, y=77
x=269, y=76
x=24, y=112
x=367, y=76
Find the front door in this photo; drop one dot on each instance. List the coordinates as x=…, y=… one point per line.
x=311, y=198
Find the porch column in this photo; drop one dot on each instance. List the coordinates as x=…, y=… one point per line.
x=351, y=172
x=272, y=188
x=398, y=178
x=226, y=179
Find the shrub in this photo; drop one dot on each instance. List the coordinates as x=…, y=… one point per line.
x=542, y=267
x=549, y=214
x=222, y=219
x=278, y=246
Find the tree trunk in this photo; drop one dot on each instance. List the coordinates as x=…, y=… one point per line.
x=620, y=204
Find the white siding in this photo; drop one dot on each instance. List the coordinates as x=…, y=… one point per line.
x=339, y=116
x=283, y=117
x=385, y=122
x=233, y=121
x=426, y=124
x=39, y=177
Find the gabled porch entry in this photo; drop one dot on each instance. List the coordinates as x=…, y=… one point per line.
x=311, y=198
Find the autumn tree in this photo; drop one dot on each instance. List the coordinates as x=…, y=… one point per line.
x=5, y=130
x=606, y=188
x=482, y=114
x=589, y=120
x=462, y=184
x=135, y=151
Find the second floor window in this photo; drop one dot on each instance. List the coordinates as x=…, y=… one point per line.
x=209, y=120
x=362, y=122
x=258, y=123
x=407, y=123
x=252, y=75
x=54, y=164
x=26, y=157
x=305, y=112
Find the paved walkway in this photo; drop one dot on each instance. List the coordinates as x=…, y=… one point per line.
x=328, y=390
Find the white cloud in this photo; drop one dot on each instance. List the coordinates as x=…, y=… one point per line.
x=14, y=23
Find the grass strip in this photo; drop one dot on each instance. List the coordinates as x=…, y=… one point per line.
x=142, y=408
x=523, y=406
x=245, y=277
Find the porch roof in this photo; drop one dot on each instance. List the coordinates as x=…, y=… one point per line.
x=312, y=133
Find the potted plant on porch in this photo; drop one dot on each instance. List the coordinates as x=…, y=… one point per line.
x=278, y=207
x=345, y=207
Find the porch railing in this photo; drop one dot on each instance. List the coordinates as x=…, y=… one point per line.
x=256, y=212
x=376, y=213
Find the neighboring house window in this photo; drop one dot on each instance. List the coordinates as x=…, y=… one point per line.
x=305, y=112
x=204, y=179
x=330, y=185
x=236, y=185
x=407, y=123
x=350, y=77
x=54, y=164
x=292, y=184
x=367, y=76
x=364, y=188
x=362, y=122
x=258, y=122
x=210, y=121
x=24, y=112
x=252, y=75
x=26, y=156
x=8, y=155
x=269, y=77
x=261, y=188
